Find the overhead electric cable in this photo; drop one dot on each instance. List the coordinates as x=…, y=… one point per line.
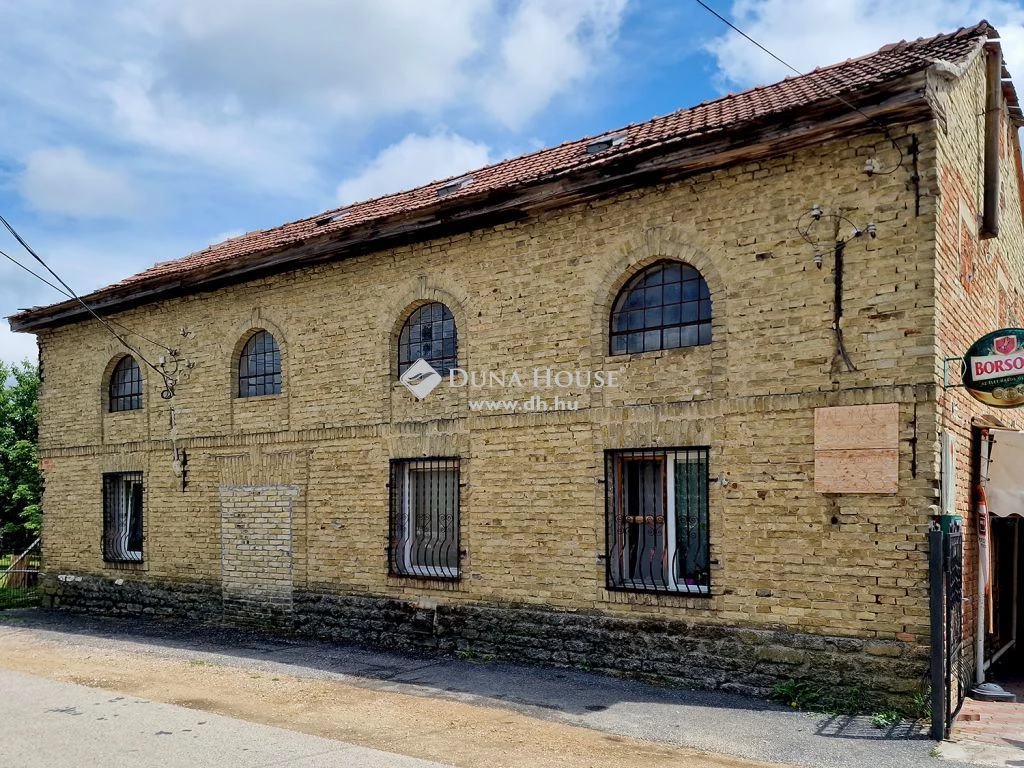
x=833, y=93
x=62, y=292
x=69, y=291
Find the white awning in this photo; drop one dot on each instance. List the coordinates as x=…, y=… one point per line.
x=1004, y=488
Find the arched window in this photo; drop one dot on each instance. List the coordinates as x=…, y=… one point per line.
x=665, y=306
x=430, y=334
x=259, y=366
x=125, y=386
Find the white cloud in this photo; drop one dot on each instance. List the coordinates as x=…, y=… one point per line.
x=550, y=45
x=62, y=180
x=273, y=152
x=413, y=161
x=355, y=58
x=809, y=33
x=262, y=93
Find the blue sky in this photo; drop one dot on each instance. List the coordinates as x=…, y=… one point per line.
x=139, y=131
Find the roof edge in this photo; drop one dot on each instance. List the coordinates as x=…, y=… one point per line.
x=643, y=167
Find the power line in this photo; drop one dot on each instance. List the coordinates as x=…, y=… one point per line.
x=168, y=381
x=36, y=275
x=834, y=94
x=62, y=292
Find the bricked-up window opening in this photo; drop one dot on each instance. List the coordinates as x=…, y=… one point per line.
x=125, y=386
x=122, y=517
x=665, y=306
x=657, y=516
x=430, y=334
x=259, y=366
x=424, y=538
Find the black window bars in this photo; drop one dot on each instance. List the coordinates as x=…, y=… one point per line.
x=657, y=520
x=122, y=517
x=424, y=518
x=665, y=306
x=430, y=334
x=125, y=386
x=259, y=366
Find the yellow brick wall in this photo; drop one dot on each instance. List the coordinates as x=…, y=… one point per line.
x=537, y=294
x=979, y=284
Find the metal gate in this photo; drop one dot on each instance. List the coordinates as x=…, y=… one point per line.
x=950, y=671
x=19, y=578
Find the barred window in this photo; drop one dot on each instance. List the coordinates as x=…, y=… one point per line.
x=657, y=516
x=125, y=386
x=259, y=366
x=665, y=306
x=424, y=538
x=122, y=517
x=430, y=334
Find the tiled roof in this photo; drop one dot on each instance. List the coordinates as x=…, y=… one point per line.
x=706, y=119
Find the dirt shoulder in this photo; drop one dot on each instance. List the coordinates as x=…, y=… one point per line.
x=435, y=729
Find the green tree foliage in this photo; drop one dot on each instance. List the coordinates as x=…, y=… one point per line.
x=20, y=480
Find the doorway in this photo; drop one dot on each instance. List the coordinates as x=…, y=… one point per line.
x=1004, y=635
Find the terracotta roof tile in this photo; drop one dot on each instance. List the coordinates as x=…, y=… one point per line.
x=843, y=79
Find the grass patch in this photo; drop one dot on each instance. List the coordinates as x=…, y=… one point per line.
x=886, y=718
x=804, y=695
x=814, y=697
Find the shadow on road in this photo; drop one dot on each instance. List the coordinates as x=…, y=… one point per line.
x=715, y=721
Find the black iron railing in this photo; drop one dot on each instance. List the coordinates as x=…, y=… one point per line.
x=657, y=520
x=424, y=529
x=950, y=667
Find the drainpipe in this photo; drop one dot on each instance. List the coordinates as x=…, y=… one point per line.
x=993, y=125
x=979, y=637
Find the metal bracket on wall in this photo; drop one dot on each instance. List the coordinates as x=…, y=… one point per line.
x=946, y=365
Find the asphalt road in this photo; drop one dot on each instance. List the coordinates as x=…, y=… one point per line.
x=47, y=724
x=709, y=721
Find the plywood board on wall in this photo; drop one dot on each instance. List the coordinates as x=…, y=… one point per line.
x=856, y=449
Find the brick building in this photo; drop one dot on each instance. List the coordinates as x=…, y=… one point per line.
x=685, y=422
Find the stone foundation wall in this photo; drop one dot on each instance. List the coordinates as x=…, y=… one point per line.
x=741, y=660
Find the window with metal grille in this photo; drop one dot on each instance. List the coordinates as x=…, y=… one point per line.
x=122, y=517
x=424, y=539
x=125, y=386
x=657, y=517
x=430, y=334
x=665, y=306
x=259, y=366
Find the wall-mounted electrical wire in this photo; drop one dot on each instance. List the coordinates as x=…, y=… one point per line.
x=838, y=219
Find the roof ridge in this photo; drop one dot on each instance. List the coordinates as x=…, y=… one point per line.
x=962, y=31
x=682, y=110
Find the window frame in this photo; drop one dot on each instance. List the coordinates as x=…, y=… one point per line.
x=276, y=374
x=401, y=516
x=617, y=536
x=117, y=402
x=126, y=491
x=633, y=284
x=439, y=362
